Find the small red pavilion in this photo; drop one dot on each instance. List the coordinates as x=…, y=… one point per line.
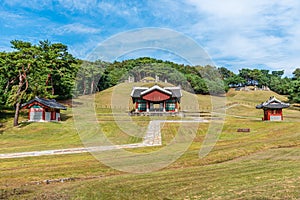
x=43, y=109
x=156, y=99
x=273, y=109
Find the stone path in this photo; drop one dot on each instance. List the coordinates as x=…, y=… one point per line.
x=153, y=134
x=152, y=138
x=69, y=151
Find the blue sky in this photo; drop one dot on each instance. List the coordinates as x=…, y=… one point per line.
x=235, y=34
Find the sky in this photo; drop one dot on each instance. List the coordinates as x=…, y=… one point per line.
x=235, y=33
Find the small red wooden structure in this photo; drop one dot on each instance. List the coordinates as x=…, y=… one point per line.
x=273, y=109
x=156, y=99
x=43, y=109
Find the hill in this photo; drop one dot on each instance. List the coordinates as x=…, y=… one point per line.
x=253, y=96
x=122, y=93
x=261, y=164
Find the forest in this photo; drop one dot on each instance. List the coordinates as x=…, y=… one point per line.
x=48, y=70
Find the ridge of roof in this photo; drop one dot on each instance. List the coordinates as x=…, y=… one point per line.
x=137, y=88
x=273, y=102
x=52, y=103
x=174, y=91
x=158, y=88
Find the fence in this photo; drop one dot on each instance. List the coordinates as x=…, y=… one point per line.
x=188, y=108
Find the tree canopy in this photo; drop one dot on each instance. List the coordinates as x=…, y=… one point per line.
x=45, y=70
x=48, y=70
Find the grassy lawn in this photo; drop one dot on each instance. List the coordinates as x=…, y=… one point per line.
x=250, y=179
x=39, y=136
x=234, y=169
x=261, y=164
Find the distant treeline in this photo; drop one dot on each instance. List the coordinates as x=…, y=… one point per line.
x=199, y=79
x=48, y=70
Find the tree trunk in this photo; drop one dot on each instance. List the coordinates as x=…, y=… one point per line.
x=52, y=85
x=48, y=78
x=18, y=95
x=92, y=86
x=84, y=86
x=16, y=118
x=22, y=81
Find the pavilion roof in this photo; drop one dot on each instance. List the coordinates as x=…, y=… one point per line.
x=51, y=103
x=176, y=91
x=140, y=91
x=136, y=91
x=273, y=103
x=156, y=87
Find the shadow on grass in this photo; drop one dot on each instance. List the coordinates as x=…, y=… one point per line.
x=5, y=115
x=65, y=117
x=23, y=124
x=73, y=103
x=1, y=126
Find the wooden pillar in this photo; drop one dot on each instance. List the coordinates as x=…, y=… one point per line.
x=43, y=115
x=53, y=114
x=266, y=113
x=164, y=107
x=57, y=111
x=147, y=106
x=136, y=106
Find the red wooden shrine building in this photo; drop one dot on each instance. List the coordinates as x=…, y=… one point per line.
x=43, y=109
x=156, y=99
x=273, y=109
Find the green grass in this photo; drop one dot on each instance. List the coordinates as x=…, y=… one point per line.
x=271, y=173
x=254, y=97
x=251, y=179
x=39, y=136
x=261, y=164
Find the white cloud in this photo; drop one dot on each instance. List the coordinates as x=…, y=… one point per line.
x=94, y=7
x=79, y=5
x=32, y=4
x=228, y=8
x=249, y=32
x=9, y=16
x=236, y=33
x=121, y=9
x=83, y=49
x=76, y=28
